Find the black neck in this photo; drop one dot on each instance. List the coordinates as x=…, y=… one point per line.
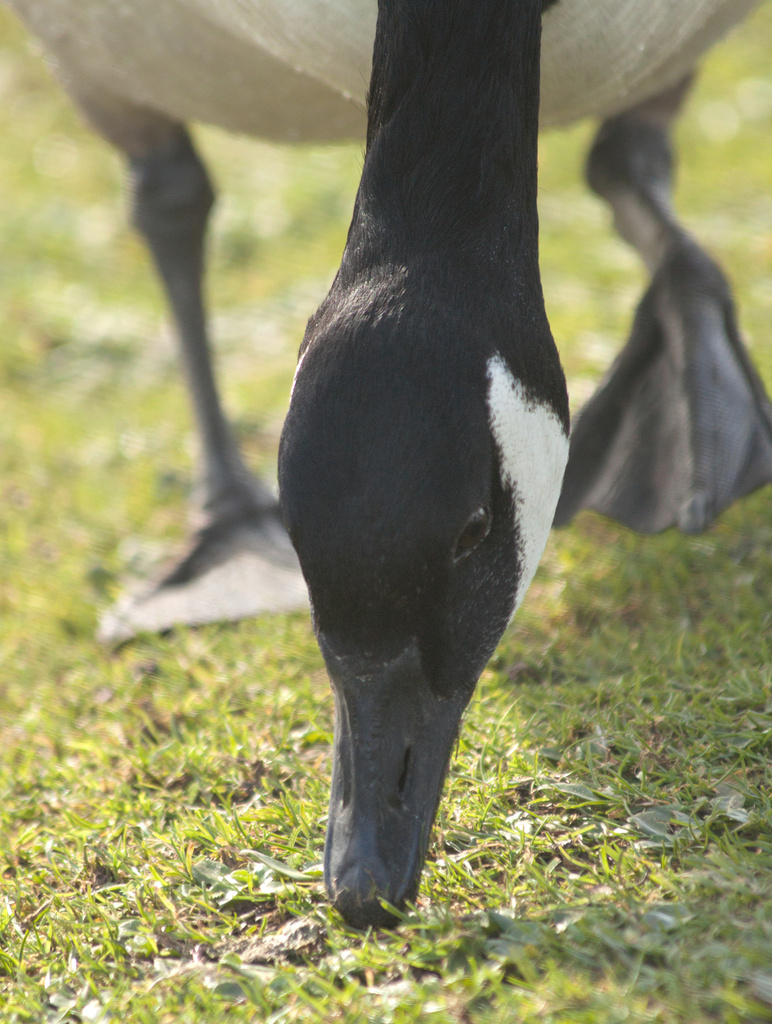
x=452, y=129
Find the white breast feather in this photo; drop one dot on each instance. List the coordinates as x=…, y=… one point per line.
x=533, y=449
x=254, y=65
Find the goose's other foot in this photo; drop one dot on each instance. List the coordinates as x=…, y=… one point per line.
x=681, y=426
x=239, y=563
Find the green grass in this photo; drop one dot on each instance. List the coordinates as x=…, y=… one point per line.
x=603, y=850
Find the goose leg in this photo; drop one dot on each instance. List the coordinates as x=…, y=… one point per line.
x=171, y=201
x=681, y=425
x=240, y=561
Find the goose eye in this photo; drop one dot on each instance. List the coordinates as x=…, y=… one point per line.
x=474, y=533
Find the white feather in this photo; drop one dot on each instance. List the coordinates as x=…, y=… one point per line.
x=533, y=450
x=289, y=68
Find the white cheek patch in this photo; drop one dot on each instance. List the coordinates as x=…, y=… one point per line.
x=533, y=449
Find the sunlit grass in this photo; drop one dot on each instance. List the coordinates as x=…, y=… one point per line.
x=602, y=852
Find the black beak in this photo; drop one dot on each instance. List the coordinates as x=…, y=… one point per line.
x=393, y=739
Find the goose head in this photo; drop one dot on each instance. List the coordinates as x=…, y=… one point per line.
x=419, y=473
x=423, y=452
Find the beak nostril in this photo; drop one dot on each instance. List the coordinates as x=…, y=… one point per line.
x=403, y=777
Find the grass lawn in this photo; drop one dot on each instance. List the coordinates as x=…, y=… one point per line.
x=603, y=851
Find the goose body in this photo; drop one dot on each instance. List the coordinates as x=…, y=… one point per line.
x=423, y=454
x=298, y=70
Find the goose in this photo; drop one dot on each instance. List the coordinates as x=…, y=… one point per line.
x=427, y=437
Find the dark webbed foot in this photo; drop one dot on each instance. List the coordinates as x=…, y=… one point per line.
x=237, y=565
x=681, y=425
